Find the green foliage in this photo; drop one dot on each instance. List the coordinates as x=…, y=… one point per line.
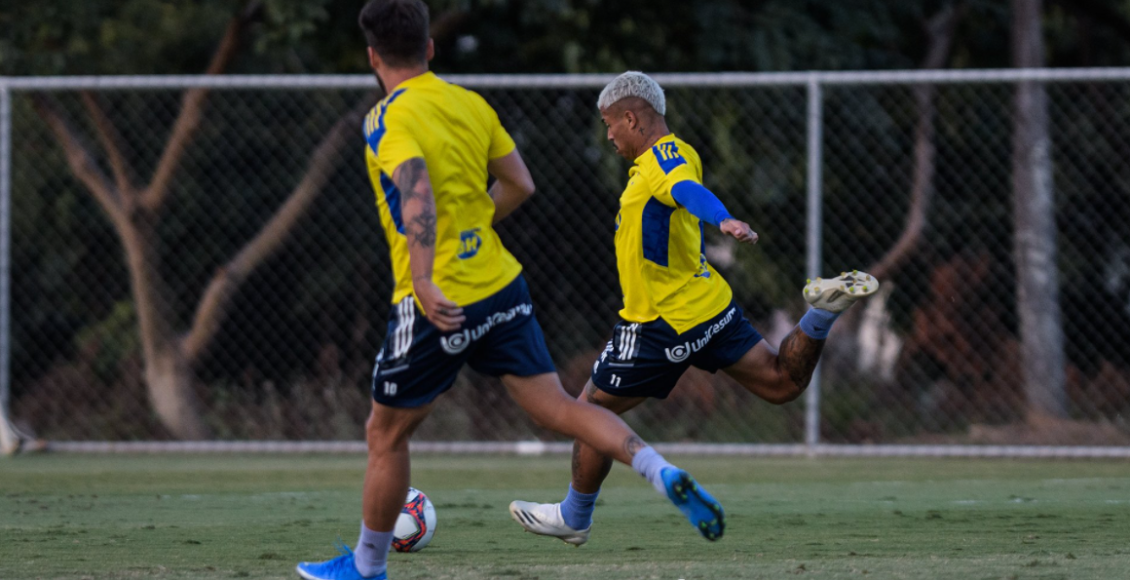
x=289, y=22
x=332, y=277
x=112, y=339
x=114, y=37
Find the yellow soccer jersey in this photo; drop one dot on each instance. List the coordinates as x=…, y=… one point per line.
x=659, y=244
x=456, y=132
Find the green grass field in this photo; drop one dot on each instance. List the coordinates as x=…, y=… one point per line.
x=200, y=516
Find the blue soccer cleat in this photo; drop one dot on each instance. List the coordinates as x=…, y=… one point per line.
x=703, y=511
x=340, y=568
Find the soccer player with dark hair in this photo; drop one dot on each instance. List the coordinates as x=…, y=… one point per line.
x=678, y=312
x=459, y=297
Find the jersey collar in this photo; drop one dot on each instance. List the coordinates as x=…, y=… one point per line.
x=420, y=79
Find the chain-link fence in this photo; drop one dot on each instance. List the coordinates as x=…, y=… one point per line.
x=209, y=264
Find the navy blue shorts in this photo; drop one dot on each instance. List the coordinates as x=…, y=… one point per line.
x=418, y=362
x=646, y=359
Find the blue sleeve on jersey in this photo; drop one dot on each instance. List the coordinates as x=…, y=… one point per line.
x=700, y=202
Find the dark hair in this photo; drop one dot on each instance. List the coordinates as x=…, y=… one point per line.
x=397, y=30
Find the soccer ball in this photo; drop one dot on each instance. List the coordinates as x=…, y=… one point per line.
x=416, y=524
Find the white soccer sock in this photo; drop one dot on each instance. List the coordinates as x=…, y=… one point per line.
x=650, y=464
x=371, y=555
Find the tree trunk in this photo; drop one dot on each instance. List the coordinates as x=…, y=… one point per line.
x=940, y=30
x=168, y=373
x=1037, y=277
x=170, y=382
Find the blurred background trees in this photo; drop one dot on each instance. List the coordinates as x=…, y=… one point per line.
x=282, y=328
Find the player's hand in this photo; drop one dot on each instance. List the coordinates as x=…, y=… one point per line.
x=443, y=313
x=739, y=230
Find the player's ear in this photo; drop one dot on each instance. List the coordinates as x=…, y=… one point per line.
x=631, y=118
x=374, y=58
x=431, y=49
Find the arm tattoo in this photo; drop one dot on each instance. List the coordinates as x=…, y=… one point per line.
x=408, y=180
x=422, y=230
x=413, y=185
x=633, y=444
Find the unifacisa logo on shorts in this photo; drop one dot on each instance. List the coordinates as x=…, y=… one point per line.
x=458, y=342
x=681, y=352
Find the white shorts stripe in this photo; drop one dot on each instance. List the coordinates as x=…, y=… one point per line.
x=628, y=341
x=409, y=324
x=402, y=339
x=396, y=336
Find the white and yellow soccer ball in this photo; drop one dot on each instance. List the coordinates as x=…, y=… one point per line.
x=416, y=524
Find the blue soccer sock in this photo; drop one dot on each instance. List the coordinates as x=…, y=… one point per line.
x=577, y=508
x=650, y=464
x=371, y=555
x=817, y=323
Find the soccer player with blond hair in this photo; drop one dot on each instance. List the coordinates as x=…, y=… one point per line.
x=678, y=311
x=460, y=297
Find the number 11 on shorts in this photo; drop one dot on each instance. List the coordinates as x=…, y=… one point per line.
x=615, y=380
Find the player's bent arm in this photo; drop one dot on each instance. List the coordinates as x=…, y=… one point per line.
x=701, y=202
x=704, y=205
x=418, y=210
x=513, y=184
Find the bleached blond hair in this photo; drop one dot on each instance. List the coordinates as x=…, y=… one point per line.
x=633, y=84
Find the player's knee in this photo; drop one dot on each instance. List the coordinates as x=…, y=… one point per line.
x=382, y=438
x=549, y=418
x=383, y=443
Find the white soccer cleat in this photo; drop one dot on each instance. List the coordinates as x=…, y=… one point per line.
x=545, y=519
x=839, y=293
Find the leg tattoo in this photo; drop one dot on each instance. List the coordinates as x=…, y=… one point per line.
x=590, y=394
x=798, y=356
x=585, y=479
x=633, y=444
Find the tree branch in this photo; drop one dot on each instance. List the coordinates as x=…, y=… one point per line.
x=80, y=160
x=192, y=107
x=222, y=288
x=940, y=29
x=108, y=135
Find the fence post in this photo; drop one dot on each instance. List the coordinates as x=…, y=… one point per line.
x=8, y=440
x=814, y=241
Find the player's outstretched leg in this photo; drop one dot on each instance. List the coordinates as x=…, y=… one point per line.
x=699, y=507
x=543, y=398
x=571, y=519
x=780, y=375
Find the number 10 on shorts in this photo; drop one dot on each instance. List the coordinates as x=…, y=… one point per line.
x=390, y=389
